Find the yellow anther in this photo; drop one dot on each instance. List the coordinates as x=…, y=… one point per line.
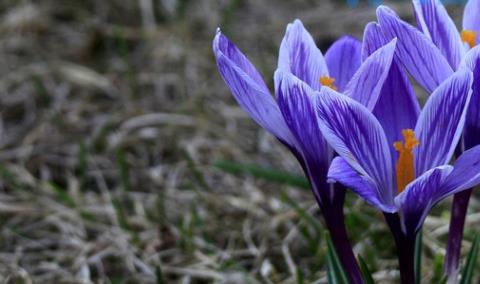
x=405, y=168
x=470, y=37
x=328, y=82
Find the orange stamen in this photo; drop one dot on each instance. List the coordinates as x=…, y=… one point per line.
x=470, y=37
x=405, y=165
x=328, y=82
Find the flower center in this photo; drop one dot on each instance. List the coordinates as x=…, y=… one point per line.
x=328, y=82
x=469, y=37
x=405, y=168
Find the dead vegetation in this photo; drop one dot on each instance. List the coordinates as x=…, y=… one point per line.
x=112, y=115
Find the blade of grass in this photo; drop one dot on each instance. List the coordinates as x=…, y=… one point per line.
x=335, y=272
x=197, y=175
x=367, y=275
x=418, y=257
x=437, y=269
x=159, y=275
x=469, y=270
x=124, y=171
x=62, y=195
x=272, y=175
x=302, y=213
x=300, y=277
x=121, y=215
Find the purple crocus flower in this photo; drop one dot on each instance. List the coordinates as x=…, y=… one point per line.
x=407, y=184
x=431, y=53
x=290, y=116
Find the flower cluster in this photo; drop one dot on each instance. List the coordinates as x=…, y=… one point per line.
x=353, y=120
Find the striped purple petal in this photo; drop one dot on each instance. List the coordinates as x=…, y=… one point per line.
x=472, y=122
x=300, y=56
x=415, y=51
x=343, y=60
x=397, y=107
x=373, y=39
x=465, y=174
x=434, y=21
x=249, y=89
x=295, y=101
x=340, y=171
x=418, y=198
x=471, y=20
x=441, y=122
x=366, y=84
x=355, y=134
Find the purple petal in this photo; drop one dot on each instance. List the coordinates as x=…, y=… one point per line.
x=373, y=39
x=441, y=122
x=471, y=20
x=415, y=51
x=300, y=56
x=472, y=123
x=465, y=174
x=470, y=59
x=340, y=171
x=249, y=89
x=366, y=84
x=357, y=136
x=418, y=198
x=435, y=23
x=343, y=59
x=397, y=107
x=295, y=101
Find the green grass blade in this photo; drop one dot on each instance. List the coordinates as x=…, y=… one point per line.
x=159, y=275
x=272, y=175
x=469, y=270
x=437, y=269
x=335, y=272
x=418, y=257
x=301, y=212
x=367, y=275
x=124, y=171
x=62, y=195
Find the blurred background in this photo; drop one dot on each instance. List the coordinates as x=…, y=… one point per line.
x=125, y=159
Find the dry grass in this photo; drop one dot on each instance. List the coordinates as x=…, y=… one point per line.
x=111, y=119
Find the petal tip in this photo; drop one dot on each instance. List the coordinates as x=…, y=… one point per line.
x=383, y=10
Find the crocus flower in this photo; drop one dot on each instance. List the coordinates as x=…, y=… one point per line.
x=431, y=53
x=293, y=121
x=406, y=185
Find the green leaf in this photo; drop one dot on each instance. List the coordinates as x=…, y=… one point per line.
x=367, y=275
x=418, y=257
x=197, y=175
x=300, y=277
x=124, y=171
x=438, y=269
x=335, y=272
x=62, y=195
x=468, y=271
x=301, y=212
x=259, y=172
x=121, y=214
x=159, y=275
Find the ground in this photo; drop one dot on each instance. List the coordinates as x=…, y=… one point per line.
x=115, y=131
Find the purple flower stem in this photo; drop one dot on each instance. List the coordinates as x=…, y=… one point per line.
x=405, y=248
x=334, y=220
x=331, y=203
x=455, y=236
